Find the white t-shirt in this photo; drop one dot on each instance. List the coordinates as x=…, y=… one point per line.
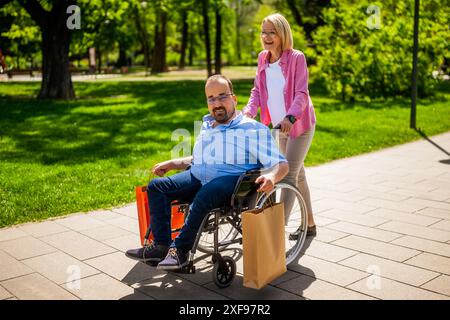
x=275, y=87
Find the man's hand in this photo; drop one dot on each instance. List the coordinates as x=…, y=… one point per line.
x=162, y=168
x=267, y=182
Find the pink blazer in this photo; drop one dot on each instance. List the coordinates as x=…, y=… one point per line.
x=296, y=94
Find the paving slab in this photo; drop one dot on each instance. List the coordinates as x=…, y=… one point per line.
x=363, y=231
x=418, y=231
x=328, y=271
x=7, y=234
x=434, y=212
x=79, y=222
x=376, y=248
x=411, y=218
x=311, y=288
x=383, y=233
x=169, y=286
x=60, y=267
x=36, y=287
x=236, y=291
x=390, y=269
x=103, y=287
x=431, y=262
x=4, y=294
x=42, y=229
x=430, y=246
x=440, y=284
x=11, y=268
x=387, y=289
x=26, y=247
x=126, y=270
x=78, y=245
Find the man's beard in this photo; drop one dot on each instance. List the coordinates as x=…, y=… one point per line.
x=222, y=116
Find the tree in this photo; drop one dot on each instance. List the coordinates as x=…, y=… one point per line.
x=19, y=36
x=218, y=46
x=159, y=51
x=139, y=10
x=308, y=14
x=243, y=11
x=56, y=36
x=205, y=8
x=358, y=61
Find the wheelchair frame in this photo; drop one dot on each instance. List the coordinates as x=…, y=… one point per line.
x=244, y=197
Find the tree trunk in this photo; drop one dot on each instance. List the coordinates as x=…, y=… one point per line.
x=143, y=38
x=205, y=5
x=191, y=49
x=159, y=53
x=238, y=32
x=218, y=48
x=122, y=60
x=56, y=77
x=56, y=36
x=99, y=55
x=184, y=40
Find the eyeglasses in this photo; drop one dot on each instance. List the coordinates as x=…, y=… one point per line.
x=220, y=97
x=268, y=34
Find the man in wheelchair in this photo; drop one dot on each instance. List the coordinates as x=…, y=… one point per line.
x=229, y=144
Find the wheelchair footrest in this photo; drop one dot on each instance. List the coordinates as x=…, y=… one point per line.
x=190, y=268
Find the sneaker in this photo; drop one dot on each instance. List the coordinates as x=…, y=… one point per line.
x=150, y=253
x=174, y=260
x=311, y=232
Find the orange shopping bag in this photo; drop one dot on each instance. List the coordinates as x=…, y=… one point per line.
x=144, y=216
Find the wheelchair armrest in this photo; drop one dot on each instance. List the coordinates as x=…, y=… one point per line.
x=246, y=188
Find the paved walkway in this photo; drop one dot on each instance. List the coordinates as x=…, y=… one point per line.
x=383, y=233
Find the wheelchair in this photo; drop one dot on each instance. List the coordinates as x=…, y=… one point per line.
x=222, y=226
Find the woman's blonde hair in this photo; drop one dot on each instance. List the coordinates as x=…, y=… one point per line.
x=283, y=30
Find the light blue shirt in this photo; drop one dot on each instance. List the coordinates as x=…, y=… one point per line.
x=233, y=148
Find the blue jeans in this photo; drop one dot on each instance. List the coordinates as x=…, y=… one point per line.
x=185, y=187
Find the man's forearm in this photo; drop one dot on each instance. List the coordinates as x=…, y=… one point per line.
x=279, y=171
x=182, y=163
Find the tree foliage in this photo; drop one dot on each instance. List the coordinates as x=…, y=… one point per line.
x=355, y=58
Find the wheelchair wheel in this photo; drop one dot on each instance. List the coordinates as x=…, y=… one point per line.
x=225, y=232
x=224, y=271
x=296, y=217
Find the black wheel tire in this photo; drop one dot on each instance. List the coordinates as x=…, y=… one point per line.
x=224, y=272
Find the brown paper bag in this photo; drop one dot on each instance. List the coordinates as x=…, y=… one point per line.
x=263, y=245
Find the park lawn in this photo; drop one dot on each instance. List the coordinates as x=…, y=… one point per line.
x=59, y=157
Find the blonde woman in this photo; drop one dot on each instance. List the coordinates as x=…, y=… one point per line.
x=281, y=91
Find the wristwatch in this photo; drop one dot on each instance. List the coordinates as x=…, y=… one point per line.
x=291, y=118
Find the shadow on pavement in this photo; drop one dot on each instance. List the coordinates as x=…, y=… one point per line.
x=445, y=161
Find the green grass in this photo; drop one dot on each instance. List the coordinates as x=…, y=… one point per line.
x=62, y=157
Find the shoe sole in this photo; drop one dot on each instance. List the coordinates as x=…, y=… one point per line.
x=153, y=260
x=172, y=268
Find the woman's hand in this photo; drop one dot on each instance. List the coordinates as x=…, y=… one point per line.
x=160, y=169
x=267, y=182
x=286, y=126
